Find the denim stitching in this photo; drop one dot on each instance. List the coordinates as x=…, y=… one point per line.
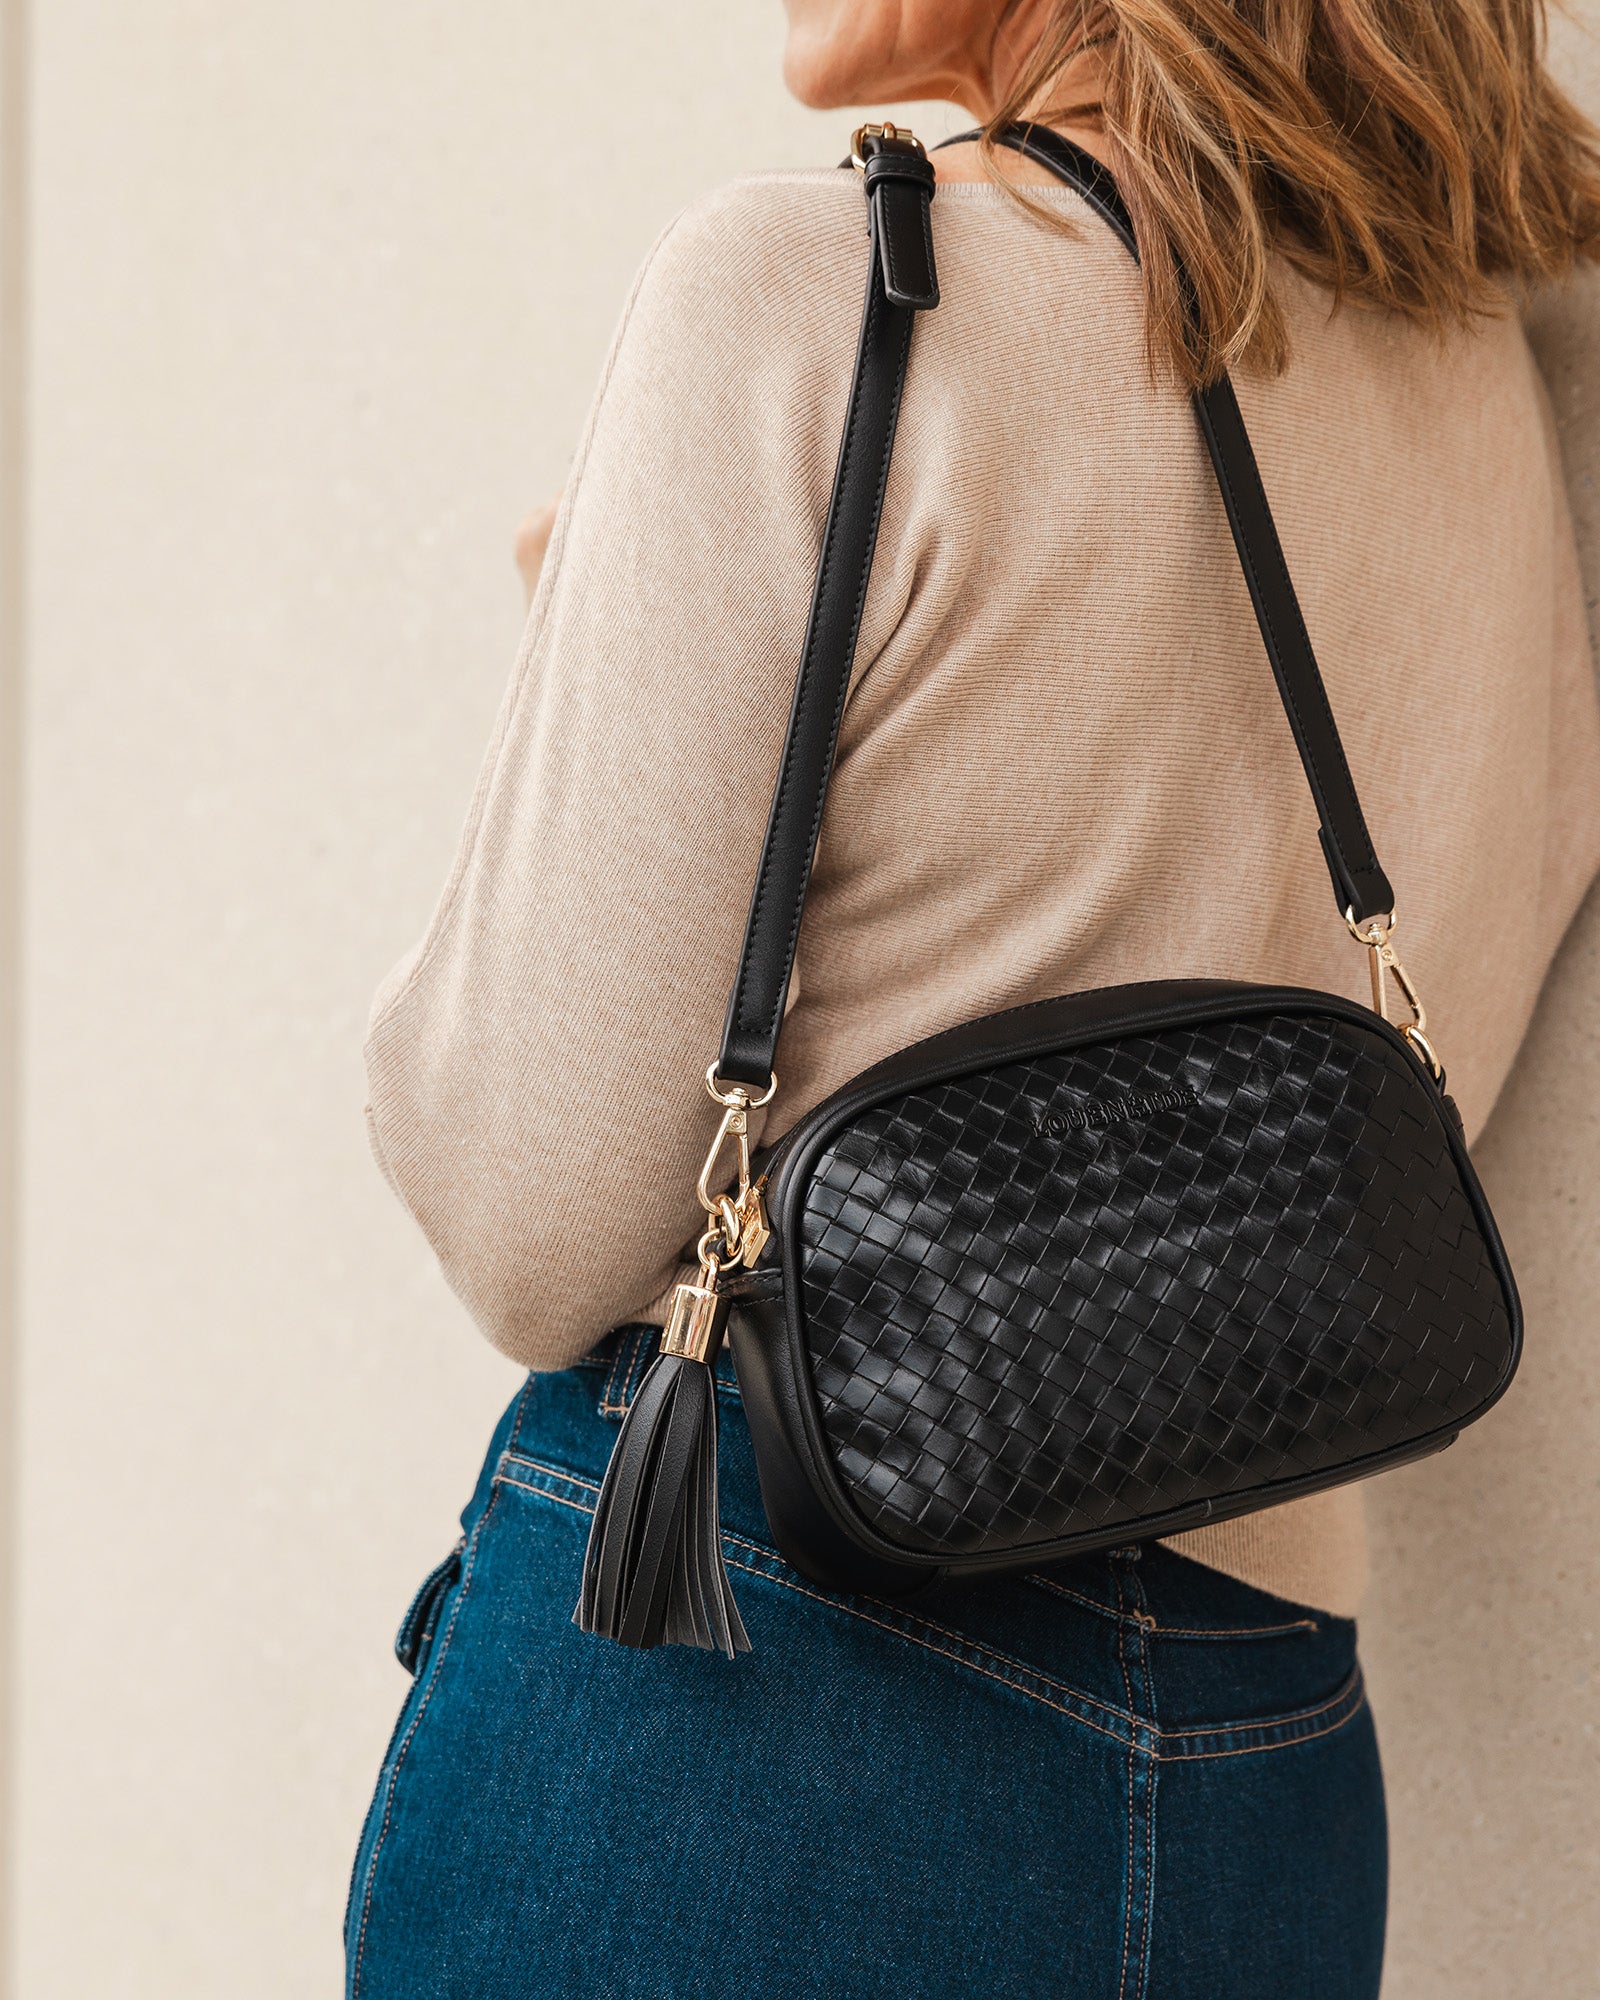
x=430, y=1624
x=1343, y=1708
x=1149, y=1741
x=1122, y=1657
x=503, y=1477
x=1261, y=1749
x=1127, y=1861
x=1277, y=1721
x=1149, y=1877
x=627, y=1355
x=992, y=1652
x=1153, y=1625
x=608, y=1406
x=943, y=1652
x=522, y=1410
x=396, y=1734
x=1144, y=1623
x=1160, y=1631
x=614, y=1401
x=909, y=1618
x=1142, y=1729
x=1147, y=1625
x=550, y=1472
x=435, y=1663
x=1078, y=1597
x=622, y=1402
x=1142, y=1772
x=544, y=1493
x=644, y=1341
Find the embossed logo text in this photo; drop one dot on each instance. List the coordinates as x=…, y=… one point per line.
x=1113, y=1110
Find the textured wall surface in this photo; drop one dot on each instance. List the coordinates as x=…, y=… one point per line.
x=13, y=104
x=316, y=300
x=1481, y=1635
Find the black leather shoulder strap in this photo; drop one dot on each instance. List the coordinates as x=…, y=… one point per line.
x=1359, y=883
x=902, y=280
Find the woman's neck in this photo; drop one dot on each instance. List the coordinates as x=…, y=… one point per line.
x=1069, y=104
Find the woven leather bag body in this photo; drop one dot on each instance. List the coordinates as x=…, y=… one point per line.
x=1107, y=1268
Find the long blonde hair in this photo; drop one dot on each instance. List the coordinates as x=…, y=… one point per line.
x=1412, y=154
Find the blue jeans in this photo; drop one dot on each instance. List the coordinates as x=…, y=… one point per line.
x=1124, y=1778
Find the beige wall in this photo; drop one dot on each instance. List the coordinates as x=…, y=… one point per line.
x=13, y=98
x=316, y=297
x=1484, y=1626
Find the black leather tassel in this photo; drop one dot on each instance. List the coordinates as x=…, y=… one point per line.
x=653, y=1574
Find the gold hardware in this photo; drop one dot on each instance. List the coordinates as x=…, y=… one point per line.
x=732, y=1224
x=698, y=1313
x=884, y=131
x=740, y=1219
x=736, y=1093
x=736, y=1126
x=691, y=1327
x=736, y=1230
x=753, y=1226
x=1375, y=933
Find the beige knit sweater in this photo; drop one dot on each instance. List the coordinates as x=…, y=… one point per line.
x=1063, y=763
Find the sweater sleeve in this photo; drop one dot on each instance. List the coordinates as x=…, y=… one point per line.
x=536, y=1063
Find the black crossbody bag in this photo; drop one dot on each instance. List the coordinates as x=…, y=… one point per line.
x=1085, y=1272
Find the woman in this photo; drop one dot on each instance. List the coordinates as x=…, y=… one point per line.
x=1062, y=765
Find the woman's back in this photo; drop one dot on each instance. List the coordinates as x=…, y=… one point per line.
x=1063, y=763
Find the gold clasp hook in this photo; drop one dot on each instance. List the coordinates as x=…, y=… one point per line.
x=1375, y=933
x=736, y=1126
x=741, y=1217
x=737, y=1229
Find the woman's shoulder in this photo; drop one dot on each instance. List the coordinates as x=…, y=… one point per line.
x=782, y=221
x=769, y=271
x=738, y=335
x=766, y=197
x=754, y=245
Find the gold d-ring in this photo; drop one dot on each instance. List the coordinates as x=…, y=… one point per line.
x=1362, y=931
x=738, y=1093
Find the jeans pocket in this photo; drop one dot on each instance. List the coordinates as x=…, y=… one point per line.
x=414, y=1640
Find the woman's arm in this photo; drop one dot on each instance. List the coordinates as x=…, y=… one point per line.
x=535, y=1064
x=530, y=542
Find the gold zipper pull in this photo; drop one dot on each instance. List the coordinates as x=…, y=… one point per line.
x=754, y=1229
